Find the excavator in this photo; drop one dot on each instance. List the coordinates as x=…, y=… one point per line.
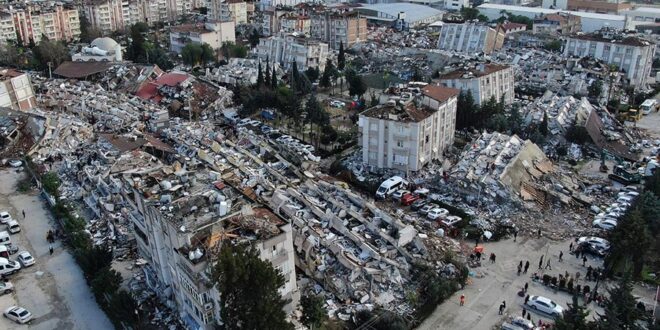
x=619, y=174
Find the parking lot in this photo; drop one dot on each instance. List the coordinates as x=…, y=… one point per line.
x=53, y=289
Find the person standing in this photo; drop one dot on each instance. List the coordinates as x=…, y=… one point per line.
x=539, y=232
x=515, y=234
x=570, y=247
x=561, y=255
x=526, y=286
x=541, y=263
x=23, y=214
x=526, y=266
x=501, y=309
x=547, y=265
x=526, y=299
x=519, y=269
x=462, y=300
x=524, y=312
x=584, y=261
x=50, y=249
x=492, y=258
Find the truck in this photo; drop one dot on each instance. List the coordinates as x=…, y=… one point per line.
x=649, y=106
x=634, y=115
x=619, y=174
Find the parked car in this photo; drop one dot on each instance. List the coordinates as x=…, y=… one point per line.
x=451, y=221
x=426, y=208
x=337, y=104
x=437, y=213
x=545, y=305
x=397, y=195
x=408, y=199
x=6, y=287
x=601, y=243
x=418, y=204
x=523, y=323
x=8, y=267
x=606, y=224
x=25, y=258
x=18, y=314
x=5, y=217
x=15, y=163
x=13, y=227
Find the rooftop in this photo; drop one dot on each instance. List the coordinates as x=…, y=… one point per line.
x=10, y=73
x=474, y=72
x=512, y=26
x=401, y=113
x=414, y=12
x=190, y=28
x=439, y=93
x=539, y=10
x=614, y=39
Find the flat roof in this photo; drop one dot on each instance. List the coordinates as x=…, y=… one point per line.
x=627, y=40
x=398, y=113
x=474, y=72
x=414, y=12
x=81, y=69
x=539, y=10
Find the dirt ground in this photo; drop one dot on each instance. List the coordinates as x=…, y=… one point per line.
x=54, y=289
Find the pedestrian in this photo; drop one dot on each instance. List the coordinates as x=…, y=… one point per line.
x=570, y=247
x=526, y=266
x=539, y=232
x=561, y=255
x=519, y=269
x=584, y=261
x=524, y=312
x=504, y=303
x=541, y=263
x=479, y=256
x=476, y=242
x=547, y=265
x=501, y=309
x=577, y=276
x=462, y=299
x=589, y=270
x=492, y=258
x=515, y=234
x=23, y=214
x=529, y=316
x=526, y=299
x=526, y=286
x=50, y=249
x=577, y=253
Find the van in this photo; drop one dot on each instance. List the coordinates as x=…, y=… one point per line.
x=8, y=267
x=648, y=106
x=4, y=238
x=13, y=227
x=389, y=186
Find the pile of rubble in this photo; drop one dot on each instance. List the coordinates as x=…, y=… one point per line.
x=241, y=71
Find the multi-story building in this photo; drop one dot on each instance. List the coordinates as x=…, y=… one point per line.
x=408, y=135
x=559, y=23
x=235, y=10
x=16, y=90
x=336, y=28
x=278, y=3
x=149, y=11
x=600, y=6
x=470, y=37
x=632, y=55
x=181, y=220
x=483, y=81
x=294, y=23
x=268, y=20
x=108, y=15
x=53, y=20
x=212, y=33
x=456, y=5
x=7, y=28
x=285, y=49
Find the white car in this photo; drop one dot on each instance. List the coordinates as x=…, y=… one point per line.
x=6, y=287
x=26, y=259
x=13, y=227
x=597, y=242
x=15, y=163
x=18, y=314
x=545, y=305
x=337, y=104
x=399, y=193
x=451, y=220
x=427, y=208
x=437, y=213
x=5, y=217
x=607, y=224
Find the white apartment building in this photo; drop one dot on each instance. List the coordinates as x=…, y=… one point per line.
x=16, y=90
x=285, y=49
x=470, y=37
x=7, y=28
x=225, y=10
x=180, y=234
x=55, y=21
x=337, y=28
x=108, y=15
x=212, y=33
x=456, y=5
x=407, y=136
x=631, y=55
x=484, y=81
x=275, y=3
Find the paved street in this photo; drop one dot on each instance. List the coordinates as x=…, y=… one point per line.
x=54, y=289
x=501, y=282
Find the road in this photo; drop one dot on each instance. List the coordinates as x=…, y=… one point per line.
x=54, y=289
x=501, y=283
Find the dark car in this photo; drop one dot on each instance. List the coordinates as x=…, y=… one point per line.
x=591, y=249
x=418, y=204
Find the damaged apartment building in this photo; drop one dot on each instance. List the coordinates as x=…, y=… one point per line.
x=483, y=80
x=414, y=127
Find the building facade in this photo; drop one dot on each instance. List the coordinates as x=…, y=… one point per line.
x=600, y=6
x=55, y=21
x=214, y=34
x=557, y=24
x=407, y=136
x=16, y=90
x=631, y=55
x=294, y=23
x=285, y=49
x=335, y=28
x=108, y=15
x=234, y=10
x=470, y=37
x=483, y=81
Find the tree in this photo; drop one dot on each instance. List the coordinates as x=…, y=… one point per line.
x=53, y=52
x=208, y=54
x=417, y=75
x=620, y=311
x=94, y=260
x=260, y=76
x=514, y=120
x=313, y=312
x=230, y=49
x=87, y=31
x=498, y=122
x=652, y=184
x=267, y=79
x=191, y=54
x=248, y=288
x=466, y=110
x=136, y=51
x=573, y=318
x=469, y=13
x=577, y=134
x=341, y=57
x=436, y=74
x=629, y=238
x=595, y=89
x=273, y=79
x=553, y=46
x=328, y=74
x=51, y=183
x=543, y=128
x=106, y=281
x=356, y=85
x=312, y=74
x=254, y=38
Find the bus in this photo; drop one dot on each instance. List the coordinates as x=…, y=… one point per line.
x=649, y=106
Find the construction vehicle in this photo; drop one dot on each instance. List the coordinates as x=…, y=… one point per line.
x=634, y=115
x=619, y=174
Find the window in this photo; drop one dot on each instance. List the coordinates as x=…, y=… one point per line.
x=426, y=139
x=399, y=144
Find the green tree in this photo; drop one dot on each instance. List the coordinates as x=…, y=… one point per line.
x=267, y=78
x=313, y=312
x=51, y=183
x=254, y=38
x=652, y=184
x=595, y=89
x=260, y=77
x=208, y=54
x=87, y=31
x=356, y=85
x=498, y=122
x=94, y=260
x=515, y=121
x=191, y=54
x=230, y=49
x=469, y=13
x=630, y=240
x=417, y=75
x=273, y=79
x=553, y=46
x=136, y=51
x=341, y=57
x=248, y=288
x=436, y=74
x=466, y=110
x=53, y=52
x=328, y=74
x=543, y=128
x=312, y=74
x=573, y=318
x=620, y=311
x=106, y=282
